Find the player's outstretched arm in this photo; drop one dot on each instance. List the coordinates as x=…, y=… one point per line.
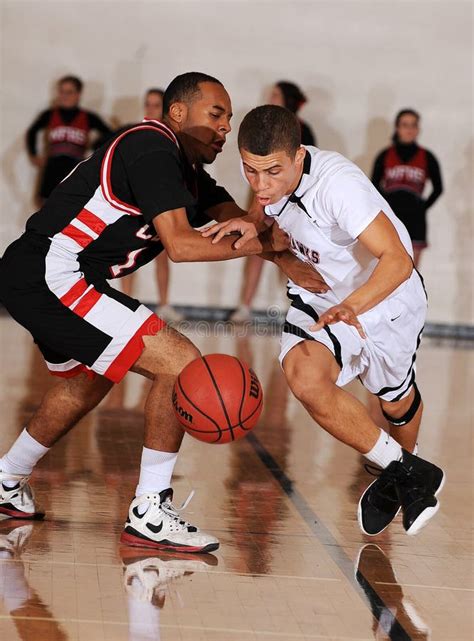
x=184, y=244
x=393, y=268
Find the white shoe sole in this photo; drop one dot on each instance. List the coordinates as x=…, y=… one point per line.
x=427, y=514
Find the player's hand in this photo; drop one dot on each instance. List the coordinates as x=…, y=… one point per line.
x=279, y=239
x=338, y=313
x=246, y=229
x=303, y=275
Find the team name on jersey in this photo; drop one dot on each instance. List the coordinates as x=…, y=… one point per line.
x=401, y=173
x=68, y=134
x=311, y=255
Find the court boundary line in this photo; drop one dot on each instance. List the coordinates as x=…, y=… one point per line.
x=391, y=626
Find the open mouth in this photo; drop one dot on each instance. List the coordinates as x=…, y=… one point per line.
x=217, y=145
x=263, y=200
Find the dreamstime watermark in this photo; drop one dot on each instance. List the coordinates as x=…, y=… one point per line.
x=269, y=324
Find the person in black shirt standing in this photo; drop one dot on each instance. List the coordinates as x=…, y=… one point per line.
x=283, y=94
x=143, y=192
x=400, y=173
x=67, y=129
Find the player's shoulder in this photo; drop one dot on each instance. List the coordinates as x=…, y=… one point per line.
x=137, y=141
x=329, y=166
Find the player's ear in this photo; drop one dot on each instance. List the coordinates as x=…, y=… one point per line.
x=178, y=112
x=300, y=155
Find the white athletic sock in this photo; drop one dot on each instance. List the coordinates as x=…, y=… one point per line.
x=156, y=470
x=22, y=457
x=385, y=450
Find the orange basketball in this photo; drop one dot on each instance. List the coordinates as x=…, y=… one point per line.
x=217, y=398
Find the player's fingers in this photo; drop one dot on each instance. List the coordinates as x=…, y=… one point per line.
x=224, y=231
x=213, y=229
x=246, y=236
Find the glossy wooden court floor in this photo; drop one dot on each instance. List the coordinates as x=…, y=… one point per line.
x=292, y=563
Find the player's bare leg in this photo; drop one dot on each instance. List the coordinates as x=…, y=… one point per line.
x=152, y=520
x=407, y=434
x=312, y=371
x=405, y=481
x=61, y=408
x=64, y=405
x=163, y=358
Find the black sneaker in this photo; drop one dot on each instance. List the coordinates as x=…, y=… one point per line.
x=379, y=504
x=381, y=501
x=417, y=482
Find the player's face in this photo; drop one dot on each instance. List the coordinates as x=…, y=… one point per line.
x=274, y=176
x=68, y=96
x=408, y=129
x=276, y=97
x=207, y=121
x=153, y=106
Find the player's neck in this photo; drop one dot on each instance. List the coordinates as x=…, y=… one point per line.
x=295, y=183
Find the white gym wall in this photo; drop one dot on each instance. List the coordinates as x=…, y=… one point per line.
x=358, y=62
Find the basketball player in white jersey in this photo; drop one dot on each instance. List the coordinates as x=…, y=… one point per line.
x=367, y=325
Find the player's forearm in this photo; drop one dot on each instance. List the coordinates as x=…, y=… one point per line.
x=229, y=210
x=193, y=247
x=391, y=271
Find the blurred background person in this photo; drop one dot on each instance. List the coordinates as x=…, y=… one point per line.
x=67, y=130
x=283, y=94
x=153, y=110
x=400, y=173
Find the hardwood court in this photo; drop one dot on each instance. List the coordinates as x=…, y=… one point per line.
x=292, y=564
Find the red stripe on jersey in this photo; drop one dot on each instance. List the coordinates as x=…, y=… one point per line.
x=132, y=350
x=92, y=221
x=75, y=371
x=74, y=293
x=87, y=302
x=78, y=235
x=106, y=167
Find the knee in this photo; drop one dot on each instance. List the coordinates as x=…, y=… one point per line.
x=401, y=412
x=310, y=388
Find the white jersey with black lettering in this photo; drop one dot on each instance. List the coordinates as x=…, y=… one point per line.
x=332, y=205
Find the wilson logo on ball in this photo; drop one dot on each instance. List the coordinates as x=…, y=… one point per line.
x=179, y=410
x=254, y=385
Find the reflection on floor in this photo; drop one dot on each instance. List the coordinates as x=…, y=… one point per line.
x=292, y=563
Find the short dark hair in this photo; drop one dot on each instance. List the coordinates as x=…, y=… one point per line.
x=184, y=88
x=269, y=128
x=74, y=80
x=293, y=97
x=156, y=90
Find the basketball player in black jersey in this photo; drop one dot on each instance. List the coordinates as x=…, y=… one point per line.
x=142, y=192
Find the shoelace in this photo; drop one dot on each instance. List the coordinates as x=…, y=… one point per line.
x=412, y=478
x=173, y=511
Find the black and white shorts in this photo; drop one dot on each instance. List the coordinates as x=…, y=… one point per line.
x=79, y=327
x=385, y=361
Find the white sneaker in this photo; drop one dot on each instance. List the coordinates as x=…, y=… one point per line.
x=146, y=576
x=241, y=315
x=13, y=539
x=161, y=527
x=17, y=502
x=169, y=314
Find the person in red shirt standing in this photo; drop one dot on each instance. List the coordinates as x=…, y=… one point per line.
x=67, y=128
x=400, y=174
